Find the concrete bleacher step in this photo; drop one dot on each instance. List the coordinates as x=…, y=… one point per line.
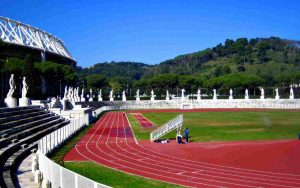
x=28, y=125
x=6, y=152
x=6, y=112
x=32, y=129
x=21, y=116
x=13, y=162
x=23, y=121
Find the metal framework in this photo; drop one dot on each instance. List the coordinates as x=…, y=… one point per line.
x=15, y=32
x=173, y=124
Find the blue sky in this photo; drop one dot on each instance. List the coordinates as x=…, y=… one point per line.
x=155, y=30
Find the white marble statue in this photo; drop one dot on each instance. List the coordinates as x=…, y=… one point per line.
x=230, y=94
x=138, y=95
x=215, y=94
x=182, y=94
x=152, y=95
x=111, y=95
x=24, y=88
x=291, y=93
x=262, y=93
x=66, y=92
x=100, y=95
x=75, y=94
x=24, y=101
x=123, y=96
x=277, y=93
x=12, y=87
x=246, y=94
x=82, y=99
x=198, y=95
x=91, y=95
x=167, y=96
x=10, y=101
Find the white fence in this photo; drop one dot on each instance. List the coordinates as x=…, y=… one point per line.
x=58, y=175
x=207, y=103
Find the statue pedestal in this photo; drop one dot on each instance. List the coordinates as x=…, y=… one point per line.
x=111, y=99
x=152, y=99
x=91, y=99
x=262, y=97
x=138, y=99
x=167, y=99
x=215, y=98
x=10, y=102
x=124, y=99
x=230, y=98
x=291, y=97
x=24, y=102
x=82, y=99
x=100, y=99
x=277, y=97
x=247, y=97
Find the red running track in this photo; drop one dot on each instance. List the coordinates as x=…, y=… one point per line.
x=145, y=123
x=234, y=164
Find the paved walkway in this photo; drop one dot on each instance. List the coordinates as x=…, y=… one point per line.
x=25, y=177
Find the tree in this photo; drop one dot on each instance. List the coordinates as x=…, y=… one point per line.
x=114, y=84
x=96, y=81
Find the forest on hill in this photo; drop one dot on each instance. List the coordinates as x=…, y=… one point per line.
x=237, y=64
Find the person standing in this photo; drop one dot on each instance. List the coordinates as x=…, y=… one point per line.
x=186, y=134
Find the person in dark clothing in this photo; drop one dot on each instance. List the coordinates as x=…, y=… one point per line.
x=179, y=139
x=186, y=134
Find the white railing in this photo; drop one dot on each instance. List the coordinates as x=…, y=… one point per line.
x=59, y=176
x=173, y=124
x=62, y=177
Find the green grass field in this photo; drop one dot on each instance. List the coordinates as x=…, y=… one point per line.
x=229, y=126
x=112, y=177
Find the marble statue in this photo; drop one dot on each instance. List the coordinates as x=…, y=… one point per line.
x=10, y=101
x=66, y=92
x=111, y=95
x=12, y=87
x=24, y=101
x=91, y=95
x=100, y=95
x=246, y=94
x=82, y=99
x=167, y=96
x=182, y=94
x=198, y=95
x=230, y=94
x=262, y=93
x=123, y=96
x=24, y=88
x=138, y=95
x=215, y=94
x=277, y=93
x=291, y=93
x=152, y=95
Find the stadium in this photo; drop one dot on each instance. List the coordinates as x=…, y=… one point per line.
x=184, y=139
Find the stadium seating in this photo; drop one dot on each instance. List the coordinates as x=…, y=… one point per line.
x=20, y=128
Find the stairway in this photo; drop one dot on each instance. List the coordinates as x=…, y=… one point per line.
x=173, y=124
x=20, y=128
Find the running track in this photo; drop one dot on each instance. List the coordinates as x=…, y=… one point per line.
x=111, y=143
x=143, y=121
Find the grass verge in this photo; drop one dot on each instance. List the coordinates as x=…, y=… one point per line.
x=112, y=177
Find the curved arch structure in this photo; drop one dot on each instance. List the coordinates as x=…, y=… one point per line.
x=15, y=32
